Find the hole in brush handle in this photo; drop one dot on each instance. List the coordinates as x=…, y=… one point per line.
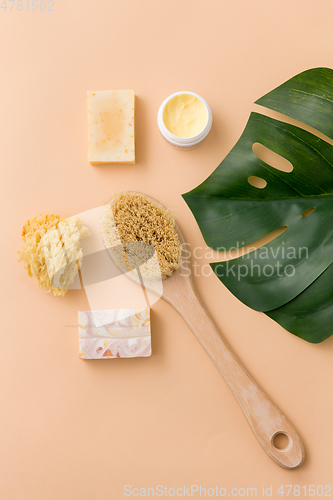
x=281, y=441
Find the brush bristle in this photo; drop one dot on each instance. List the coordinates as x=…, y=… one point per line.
x=130, y=218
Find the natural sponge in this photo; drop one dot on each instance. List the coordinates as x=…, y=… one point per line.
x=51, y=250
x=132, y=217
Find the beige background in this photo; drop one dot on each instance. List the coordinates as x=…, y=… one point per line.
x=72, y=429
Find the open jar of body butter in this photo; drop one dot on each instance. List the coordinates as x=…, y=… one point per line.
x=184, y=120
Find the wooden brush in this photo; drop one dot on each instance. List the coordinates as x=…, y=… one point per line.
x=265, y=420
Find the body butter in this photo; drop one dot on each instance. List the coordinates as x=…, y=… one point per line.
x=185, y=115
x=184, y=119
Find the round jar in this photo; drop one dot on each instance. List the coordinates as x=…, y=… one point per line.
x=184, y=142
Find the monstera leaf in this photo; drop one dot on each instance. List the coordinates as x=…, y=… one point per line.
x=310, y=314
x=289, y=278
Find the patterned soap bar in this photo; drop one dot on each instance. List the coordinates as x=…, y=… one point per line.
x=114, y=333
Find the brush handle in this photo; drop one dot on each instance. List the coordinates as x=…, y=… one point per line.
x=265, y=419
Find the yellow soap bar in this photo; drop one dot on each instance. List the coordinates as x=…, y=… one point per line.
x=111, y=126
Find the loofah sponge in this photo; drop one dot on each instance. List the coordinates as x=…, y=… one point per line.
x=51, y=250
x=131, y=218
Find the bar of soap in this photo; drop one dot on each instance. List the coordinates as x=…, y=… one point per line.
x=111, y=126
x=114, y=333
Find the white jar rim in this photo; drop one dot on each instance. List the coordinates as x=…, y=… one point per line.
x=184, y=142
